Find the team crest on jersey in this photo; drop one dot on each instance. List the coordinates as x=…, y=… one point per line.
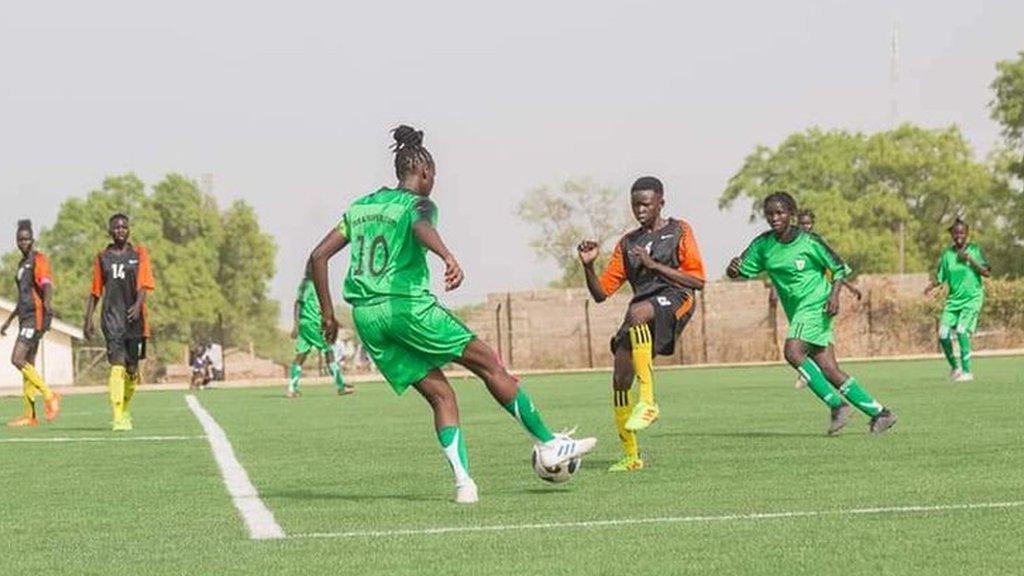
x=800, y=263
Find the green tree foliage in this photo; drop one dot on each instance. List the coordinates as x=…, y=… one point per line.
x=1007, y=108
x=868, y=191
x=578, y=209
x=208, y=264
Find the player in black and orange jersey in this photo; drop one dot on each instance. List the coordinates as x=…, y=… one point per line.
x=123, y=277
x=35, y=289
x=662, y=264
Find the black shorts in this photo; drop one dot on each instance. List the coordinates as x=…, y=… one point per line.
x=672, y=312
x=125, y=351
x=28, y=334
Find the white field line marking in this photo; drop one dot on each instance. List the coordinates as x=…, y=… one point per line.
x=257, y=517
x=100, y=439
x=663, y=520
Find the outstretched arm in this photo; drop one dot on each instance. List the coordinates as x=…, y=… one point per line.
x=429, y=237
x=331, y=244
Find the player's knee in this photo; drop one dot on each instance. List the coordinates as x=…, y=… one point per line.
x=944, y=332
x=794, y=355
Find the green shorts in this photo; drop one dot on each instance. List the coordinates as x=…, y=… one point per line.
x=963, y=319
x=310, y=337
x=811, y=325
x=409, y=337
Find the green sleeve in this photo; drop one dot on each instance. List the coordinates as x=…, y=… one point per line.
x=343, y=227
x=752, y=259
x=829, y=260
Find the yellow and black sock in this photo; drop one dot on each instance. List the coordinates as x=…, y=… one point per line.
x=116, y=386
x=131, y=382
x=643, y=358
x=623, y=408
x=29, y=373
x=28, y=398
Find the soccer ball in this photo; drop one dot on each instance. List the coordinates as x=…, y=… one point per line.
x=557, y=474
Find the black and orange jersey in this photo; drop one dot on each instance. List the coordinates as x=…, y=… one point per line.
x=117, y=276
x=672, y=245
x=33, y=274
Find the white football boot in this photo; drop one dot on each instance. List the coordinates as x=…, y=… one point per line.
x=562, y=448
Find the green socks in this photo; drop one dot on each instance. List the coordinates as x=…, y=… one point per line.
x=454, y=446
x=947, y=349
x=860, y=397
x=293, y=377
x=965, y=351
x=336, y=373
x=521, y=408
x=818, y=384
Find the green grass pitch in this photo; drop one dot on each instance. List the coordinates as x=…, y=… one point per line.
x=731, y=442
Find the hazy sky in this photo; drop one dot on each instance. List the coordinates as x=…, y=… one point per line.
x=290, y=106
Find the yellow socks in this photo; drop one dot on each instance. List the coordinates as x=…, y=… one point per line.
x=28, y=398
x=29, y=373
x=623, y=408
x=643, y=358
x=131, y=382
x=116, y=385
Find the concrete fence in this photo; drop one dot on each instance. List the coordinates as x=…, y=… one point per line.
x=733, y=322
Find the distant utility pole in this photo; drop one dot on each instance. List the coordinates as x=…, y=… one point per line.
x=894, y=118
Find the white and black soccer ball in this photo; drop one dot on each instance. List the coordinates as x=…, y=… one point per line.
x=557, y=474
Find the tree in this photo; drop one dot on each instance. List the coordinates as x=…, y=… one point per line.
x=870, y=193
x=1007, y=108
x=579, y=209
x=208, y=265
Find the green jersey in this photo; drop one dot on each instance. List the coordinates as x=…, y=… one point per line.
x=387, y=260
x=309, y=304
x=965, y=285
x=797, y=268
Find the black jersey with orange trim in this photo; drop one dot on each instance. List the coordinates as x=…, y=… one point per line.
x=673, y=245
x=32, y=275
x=117, y=276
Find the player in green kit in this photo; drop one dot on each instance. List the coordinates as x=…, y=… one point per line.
x=796, y=262
x=406, y=331
x=307, y=335
x=961, y=266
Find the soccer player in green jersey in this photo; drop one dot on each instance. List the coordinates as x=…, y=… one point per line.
x=796, y=262
x=961, y=266
x=307, y=335
x=406, y=331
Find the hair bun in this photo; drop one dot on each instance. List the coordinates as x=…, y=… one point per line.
x=25, y=225
x=407, y=136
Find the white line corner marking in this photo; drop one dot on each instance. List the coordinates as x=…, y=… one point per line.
x=258, y=518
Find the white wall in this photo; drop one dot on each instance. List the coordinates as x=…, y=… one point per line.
x=53, y=360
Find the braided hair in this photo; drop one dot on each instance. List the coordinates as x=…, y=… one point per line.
x=959, y=221
x=784, y=198
x=409, y=150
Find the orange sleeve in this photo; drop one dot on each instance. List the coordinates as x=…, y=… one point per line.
x=614, y=274
x=42, y=267
x=97, y=278
x=690, y=261
x=145, y=280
